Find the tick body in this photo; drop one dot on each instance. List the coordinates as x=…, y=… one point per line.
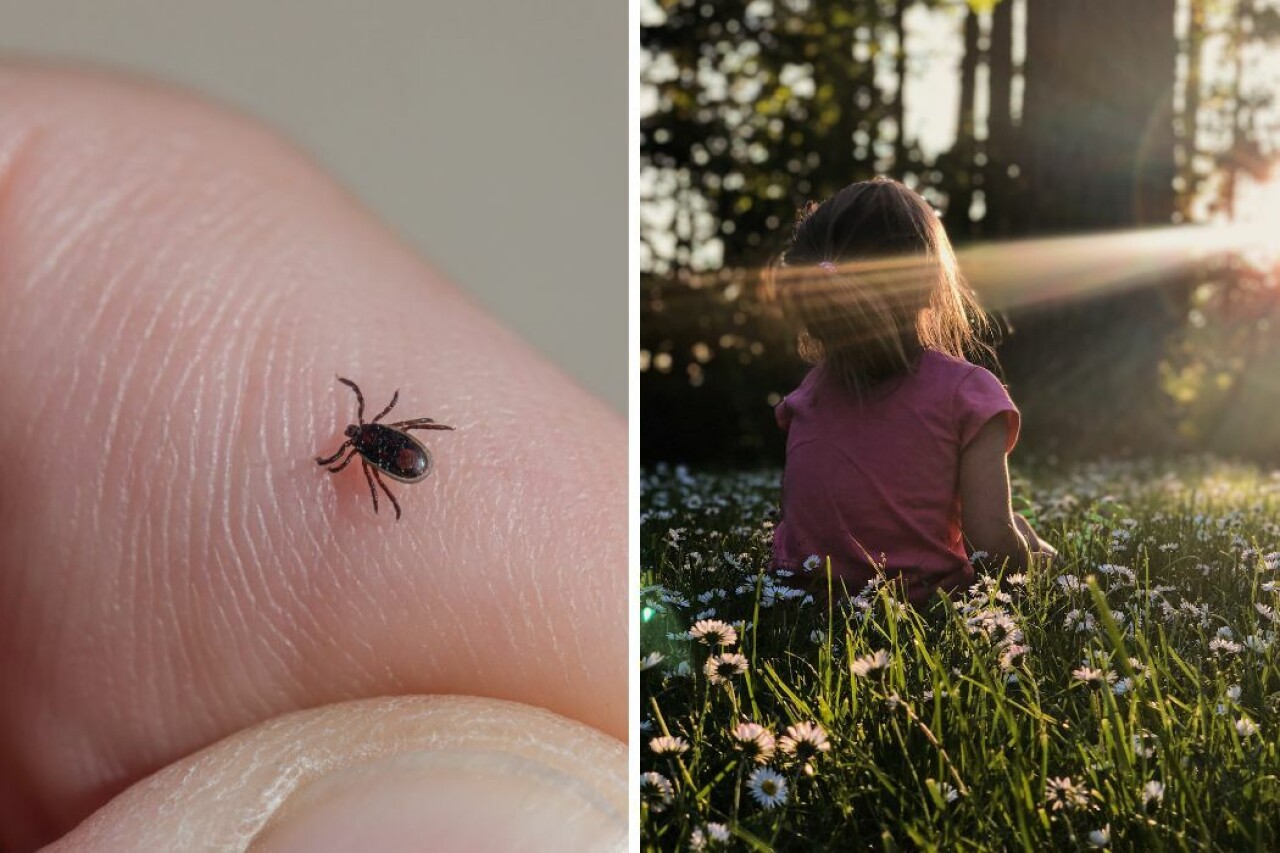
x=384, y=449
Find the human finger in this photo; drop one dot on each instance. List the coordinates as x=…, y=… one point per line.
x=178, y=289
x=416, y=773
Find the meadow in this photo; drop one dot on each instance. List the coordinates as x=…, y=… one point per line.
x=1126, y=697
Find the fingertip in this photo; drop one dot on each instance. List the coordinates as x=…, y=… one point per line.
x=445, y=772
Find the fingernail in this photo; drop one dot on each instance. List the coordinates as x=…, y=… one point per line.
x=455, y=799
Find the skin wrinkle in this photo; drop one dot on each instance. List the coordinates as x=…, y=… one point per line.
x=293, y=588
x=252, y=567
x=313, y=542
x=255, y=565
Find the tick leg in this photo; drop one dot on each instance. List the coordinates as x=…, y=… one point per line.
x=359, y=398
x=335, y=456
x=419, y=423
x=345, y=462
x=395, y=503
x=390, y=406
x=372, y=490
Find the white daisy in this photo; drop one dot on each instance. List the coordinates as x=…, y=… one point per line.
x=1010, y=655
x=713, y=632
x=1070, y=583
x=650, y=660
x=1062, y=793
x=768, y=787
x=867, y=664
x=1152, y=792
x=708, y=837
x=1257, y=642
x=1246, y=727
x=668, y=745
x=804, y=741
x=1141, y=747
x=945, y=789
x=1100, y=837
x=1095, y=678
x=1224, y=646
x=720, y=668
x=657, y=791
x=755, y=741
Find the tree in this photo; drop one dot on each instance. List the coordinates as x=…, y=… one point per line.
x=1093, y=151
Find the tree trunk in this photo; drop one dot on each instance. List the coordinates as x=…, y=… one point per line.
x=1097, y=154
x=1000, y=131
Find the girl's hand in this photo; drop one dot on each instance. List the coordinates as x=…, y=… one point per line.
x=1035, y=544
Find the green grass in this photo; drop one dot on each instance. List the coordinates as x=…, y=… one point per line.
x=1163, y=571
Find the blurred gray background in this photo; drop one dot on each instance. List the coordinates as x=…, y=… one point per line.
x=491, y=134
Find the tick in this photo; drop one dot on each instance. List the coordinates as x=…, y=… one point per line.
x=384, y=448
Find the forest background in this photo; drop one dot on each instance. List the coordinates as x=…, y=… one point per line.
x=1105, y=169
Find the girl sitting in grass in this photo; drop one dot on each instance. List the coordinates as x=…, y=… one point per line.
x=896, y=443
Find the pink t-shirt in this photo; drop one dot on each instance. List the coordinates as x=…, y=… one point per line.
x=877, y=481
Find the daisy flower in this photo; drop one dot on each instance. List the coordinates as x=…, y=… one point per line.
x=1152, y=792
x=804, y=741
x=668, y=745
x=812, y=562
x=1095, y=678
x=755, y=741
x=1257, y=642
x=946, y=790
x=1064, y=794
x=767, y=787
x=867, y=664
x=1010, y=655
x=1220, y=644
x=650, y=660
x=720, y=668
x=709, y=836
x=1246, y=727
x=713, y=632
x=657, y=791
x=1100, y=837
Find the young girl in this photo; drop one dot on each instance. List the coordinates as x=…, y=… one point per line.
x=896, y=444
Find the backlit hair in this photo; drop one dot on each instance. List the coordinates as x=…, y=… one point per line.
x=871, y=281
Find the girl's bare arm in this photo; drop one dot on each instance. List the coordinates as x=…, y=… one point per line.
x=986, y=512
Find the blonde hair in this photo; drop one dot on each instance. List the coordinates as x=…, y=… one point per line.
x=871, y=280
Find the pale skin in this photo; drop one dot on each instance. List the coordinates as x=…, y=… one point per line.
x=178, y=289
x=987, y=518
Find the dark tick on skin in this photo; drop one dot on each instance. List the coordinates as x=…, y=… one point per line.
x=385, y=448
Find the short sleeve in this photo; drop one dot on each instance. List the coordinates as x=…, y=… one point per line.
x=979, y=398
x=782, y=414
